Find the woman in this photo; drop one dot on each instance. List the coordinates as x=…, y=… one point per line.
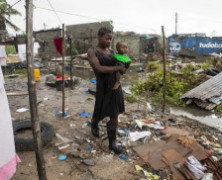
x=8, y=157
x=109, y=103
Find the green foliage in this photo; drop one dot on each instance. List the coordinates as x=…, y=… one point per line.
x=210, y=61
x=21, y=72
x=176, y=85
x=6, y=11
x=10, y=50
x=219, y=108
x=74, y=49
x=131, y=98
x=153, y=66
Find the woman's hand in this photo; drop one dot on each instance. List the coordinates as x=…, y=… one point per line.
x=122, y=70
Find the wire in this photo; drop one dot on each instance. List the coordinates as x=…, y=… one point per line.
x=15, y=3
x=54, y=11
x=92, y=18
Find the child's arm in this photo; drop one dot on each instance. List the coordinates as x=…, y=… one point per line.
x=117, y=84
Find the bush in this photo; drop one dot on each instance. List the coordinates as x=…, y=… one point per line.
x=176, y=85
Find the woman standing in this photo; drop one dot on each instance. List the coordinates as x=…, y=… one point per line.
x=8, y=157
x=109, y=102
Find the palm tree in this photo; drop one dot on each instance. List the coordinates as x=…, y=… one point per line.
x=6, y=11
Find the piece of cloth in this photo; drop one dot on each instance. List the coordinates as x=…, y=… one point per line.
x=58, y=44
x=8, y=157
x=22, y=50
x=109, y=103
x=3, y=56
x=2, y=82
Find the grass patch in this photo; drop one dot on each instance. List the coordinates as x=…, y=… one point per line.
x=21, y=72
x=176, y=85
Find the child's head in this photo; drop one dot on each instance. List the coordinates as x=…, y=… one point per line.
x=121, y=47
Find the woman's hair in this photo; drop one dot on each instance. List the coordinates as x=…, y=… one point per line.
x=103, y=30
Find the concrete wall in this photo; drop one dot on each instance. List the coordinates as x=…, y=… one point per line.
x=85, y=35
x=46, y=41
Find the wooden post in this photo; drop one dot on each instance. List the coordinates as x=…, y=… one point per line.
x=32, y=92
x=71, y=61
x=164, y=72
x=63, y=69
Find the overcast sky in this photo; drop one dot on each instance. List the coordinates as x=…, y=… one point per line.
x=142, y=16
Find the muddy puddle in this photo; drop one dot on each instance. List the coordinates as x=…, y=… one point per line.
x=206, y=117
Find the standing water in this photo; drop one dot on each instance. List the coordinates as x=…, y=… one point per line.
x=206, y=117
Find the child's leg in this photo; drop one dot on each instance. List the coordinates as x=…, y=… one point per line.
x=116, y=85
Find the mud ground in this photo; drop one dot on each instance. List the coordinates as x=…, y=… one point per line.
x=75, y=127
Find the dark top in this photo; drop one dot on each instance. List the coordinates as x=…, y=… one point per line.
x=109, y=103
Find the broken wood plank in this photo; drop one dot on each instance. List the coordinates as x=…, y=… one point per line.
x=17, y=93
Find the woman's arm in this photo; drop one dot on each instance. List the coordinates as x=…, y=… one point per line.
x=94, y=62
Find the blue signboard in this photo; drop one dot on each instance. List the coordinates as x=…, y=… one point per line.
x=193, y=45
x=206, y=45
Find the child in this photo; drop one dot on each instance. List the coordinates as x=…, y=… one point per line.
x=122, y=60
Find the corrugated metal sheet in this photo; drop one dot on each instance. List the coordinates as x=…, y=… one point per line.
x=207, y=95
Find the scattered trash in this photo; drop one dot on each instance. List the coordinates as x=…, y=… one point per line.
x=84, y=114
x=64, y=139
x=89, y=162
x=149, y=107
x=123, y=132
x=127, y=90
x=13, y=75
x=84, y=156
x=138, y=168
x=23, y=110
x=93, y=81
x=62, y=157
x=150, y=124
x=201, y=70
x=134, y=136
x=210, y=151
x=207, y=176
x=84, y=92
x=72, y=125
x=218, y=150
x=92, y=91
x=63, y=147
x=60, y=113
x=123, y=157
x=54, y=109
x=89, y=147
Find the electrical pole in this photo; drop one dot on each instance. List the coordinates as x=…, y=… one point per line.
x=36, y=130
x=176, y=21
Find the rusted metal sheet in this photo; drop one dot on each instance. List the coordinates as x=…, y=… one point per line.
x=207, y=95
